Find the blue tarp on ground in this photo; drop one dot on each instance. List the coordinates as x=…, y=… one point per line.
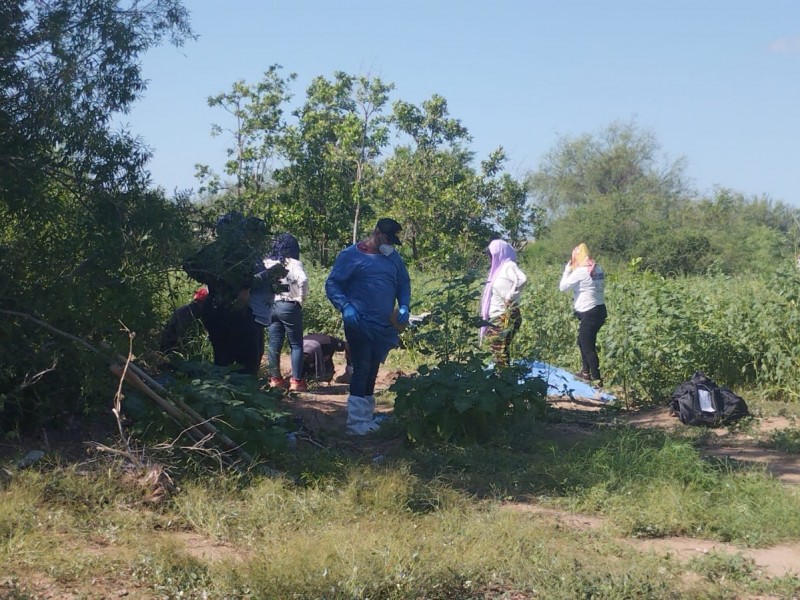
x=563, y=383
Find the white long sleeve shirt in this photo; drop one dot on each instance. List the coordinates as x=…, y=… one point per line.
x=295, y=278
x=506, y=288
x=588, y=290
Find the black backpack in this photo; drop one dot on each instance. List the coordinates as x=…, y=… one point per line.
x=700, y=401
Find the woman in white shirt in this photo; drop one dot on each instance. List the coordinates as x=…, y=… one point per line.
x=500, y=301
x=587, y=281
x=287, y=313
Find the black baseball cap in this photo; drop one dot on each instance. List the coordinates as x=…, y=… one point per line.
x=391, y=228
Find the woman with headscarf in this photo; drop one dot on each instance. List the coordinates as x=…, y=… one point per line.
x=587, y=281
x=500, y=301
x=286, y=318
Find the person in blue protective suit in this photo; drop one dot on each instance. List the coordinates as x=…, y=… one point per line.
x=369, y=284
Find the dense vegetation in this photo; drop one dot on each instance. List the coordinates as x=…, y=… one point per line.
x=88, y=247
x=90, y=253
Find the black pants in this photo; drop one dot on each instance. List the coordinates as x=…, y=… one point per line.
x=590, y=323
x=235, y=337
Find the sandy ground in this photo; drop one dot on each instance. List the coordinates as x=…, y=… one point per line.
x=323, y=412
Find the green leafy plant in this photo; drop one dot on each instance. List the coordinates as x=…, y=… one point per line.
x=785, y=440
x=249, y=416
x=450, y=331
x=465, y=401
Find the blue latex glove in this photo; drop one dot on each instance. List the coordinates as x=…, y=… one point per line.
x=402, y=315
x=350, y=315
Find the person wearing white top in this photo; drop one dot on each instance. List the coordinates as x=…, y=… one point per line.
x=286, y=321
x=586, y=279
x=500, y=300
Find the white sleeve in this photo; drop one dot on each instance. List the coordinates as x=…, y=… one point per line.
x=570, y=279
x=302, y=280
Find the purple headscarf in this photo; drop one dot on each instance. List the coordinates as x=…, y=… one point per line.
x=500, y=252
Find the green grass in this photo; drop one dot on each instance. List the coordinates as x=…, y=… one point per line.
x=784, y=440
x=431, y=523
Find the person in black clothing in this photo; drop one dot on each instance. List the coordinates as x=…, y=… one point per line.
x=174, y=331
x=228, y=266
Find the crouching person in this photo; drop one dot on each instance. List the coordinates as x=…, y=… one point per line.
x=367, y=280
x=318, y=351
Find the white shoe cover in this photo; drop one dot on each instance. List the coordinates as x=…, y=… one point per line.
x=359, y=415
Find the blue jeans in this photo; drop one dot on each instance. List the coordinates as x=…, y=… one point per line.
x=365, y=362
x=287, y=323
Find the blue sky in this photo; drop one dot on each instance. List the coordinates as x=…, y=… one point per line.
x=716, y=81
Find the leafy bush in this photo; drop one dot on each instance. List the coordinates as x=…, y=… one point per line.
x=239, y=409
x=83, y=241
x=463, y=401
x=450, y=329
x=319, y=315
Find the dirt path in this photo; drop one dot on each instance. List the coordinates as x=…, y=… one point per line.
x=323, y=411
x=735, y=445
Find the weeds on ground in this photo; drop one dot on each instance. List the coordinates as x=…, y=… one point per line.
x=427, y=522
x=784, y=440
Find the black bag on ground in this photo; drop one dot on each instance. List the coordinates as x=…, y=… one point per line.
x=700, y=401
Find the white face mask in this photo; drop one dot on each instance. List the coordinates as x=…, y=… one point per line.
x=386, y=249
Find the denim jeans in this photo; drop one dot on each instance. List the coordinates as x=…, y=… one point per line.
x=365, y=361
x=590, y=323
x=287, y=323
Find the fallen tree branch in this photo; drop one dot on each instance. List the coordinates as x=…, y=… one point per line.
x=198, y=419
x=52, y=329
x=180, y=418
x=196, y=427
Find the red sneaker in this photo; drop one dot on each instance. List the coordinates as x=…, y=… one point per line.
x=278, y=382
x=298, y=385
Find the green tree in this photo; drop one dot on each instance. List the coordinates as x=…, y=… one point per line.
x=621, y=160
x=331, y=151
x=83, y=243
x=364, y=133
x=746, y=234
x=610, y=190
x=257, y=134
x=507, y=204
x=429, y=185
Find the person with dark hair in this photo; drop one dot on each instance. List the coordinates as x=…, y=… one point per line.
x=318, y=351
x=228, y=266
x=285, y=321
x=500, y=300
x=586, y=279
x=367, y=284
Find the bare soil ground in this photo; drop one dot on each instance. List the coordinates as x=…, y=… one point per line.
x=324, y=412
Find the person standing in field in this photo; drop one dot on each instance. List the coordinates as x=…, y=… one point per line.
x=367, y=281
x=500, y=300
x=286, y=318
x=227, y=266
x=586, y=279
